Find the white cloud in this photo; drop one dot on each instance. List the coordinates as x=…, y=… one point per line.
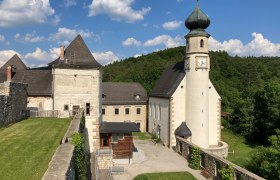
x=172, y=25
x=105, y=58
x=259, y=46
x=2, y=38
x=29, y=38
x=43, y=56
x=119, y=10
x=179, y=1
x=68, y=3
x=167, y=40
x=137, y=55
x=5, y=55
x=131, y=42
x=65, y=34
x=16, y=13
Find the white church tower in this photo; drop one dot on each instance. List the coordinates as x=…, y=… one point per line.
x=197, y=67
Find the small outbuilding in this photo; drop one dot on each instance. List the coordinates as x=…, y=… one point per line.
x=118, y=137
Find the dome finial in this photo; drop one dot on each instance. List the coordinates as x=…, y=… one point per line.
x=198, y=19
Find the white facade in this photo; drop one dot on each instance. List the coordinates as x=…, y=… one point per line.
x=159, y=118
x=194, y=101
x=40, y=103
x=126, y=113
x=79, y=88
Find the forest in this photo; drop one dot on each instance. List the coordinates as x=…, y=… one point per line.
x=249, y=88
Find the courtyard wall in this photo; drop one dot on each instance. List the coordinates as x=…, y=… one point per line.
x=13, y=102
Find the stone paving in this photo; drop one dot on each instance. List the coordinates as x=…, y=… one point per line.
x=154, y=158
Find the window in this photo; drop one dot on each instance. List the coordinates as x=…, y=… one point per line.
x=201, y=43
x=120, y=136
x=155, y=110
x=87, y=108
x=138, y=110
x=159, y=112
x=126, y=110
x=138, y=124
x=66, y=107
x=117, y=111
x=114, y=138
x=103, y=111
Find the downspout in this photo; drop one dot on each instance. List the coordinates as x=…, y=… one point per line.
x=170, y=121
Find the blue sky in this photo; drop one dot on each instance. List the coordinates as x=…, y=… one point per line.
x=117, y=29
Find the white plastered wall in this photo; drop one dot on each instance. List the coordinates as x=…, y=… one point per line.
x=110, y=115
x=163, y=121
x=178, y=106
x=40, y=103
x=215, y=116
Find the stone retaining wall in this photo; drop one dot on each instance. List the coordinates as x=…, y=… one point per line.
x=211, y=163
x=62, y=165
x=13, y=102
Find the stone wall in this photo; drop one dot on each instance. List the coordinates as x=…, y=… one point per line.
x=211, y=164
x=13, y=102
x=62, y=165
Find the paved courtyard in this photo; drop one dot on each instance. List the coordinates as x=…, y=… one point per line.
x=154, y=158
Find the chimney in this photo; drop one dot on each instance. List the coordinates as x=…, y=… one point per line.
x=62, y=52
x=9, y=73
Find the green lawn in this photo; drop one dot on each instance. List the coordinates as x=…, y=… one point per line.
x=27, y=147
x=165, y=176
x=238, y=145
x=141, y=135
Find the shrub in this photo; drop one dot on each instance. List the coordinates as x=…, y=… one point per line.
x=83, y=122
x=79, y=156
x=227, y=173
x=195, y=158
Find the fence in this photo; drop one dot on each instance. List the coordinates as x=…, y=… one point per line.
x=50, y=113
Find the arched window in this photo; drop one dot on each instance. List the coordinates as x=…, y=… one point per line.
x=201, y=43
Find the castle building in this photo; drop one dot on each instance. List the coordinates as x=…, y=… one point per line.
x=124, y=102
x=184, y=102
x=71, y=82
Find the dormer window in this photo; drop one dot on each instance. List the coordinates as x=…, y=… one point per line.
x=137, y=96
x=103, y=97
x=201, y=43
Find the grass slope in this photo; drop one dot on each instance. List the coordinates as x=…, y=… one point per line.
x=238, y=145
x=27, y=147
x=165, y=176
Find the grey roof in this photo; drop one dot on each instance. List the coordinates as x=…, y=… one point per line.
x=77, y=55
x=197, y=20
x=118, y=127
x=121, y=93
x=183, y=130
x=16, y=62
x=169, y=81
x=39, y=81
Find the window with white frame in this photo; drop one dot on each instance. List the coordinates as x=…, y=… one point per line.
x=159, y=112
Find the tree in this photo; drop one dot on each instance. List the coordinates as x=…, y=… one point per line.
x=267, y=112
x=266, y=160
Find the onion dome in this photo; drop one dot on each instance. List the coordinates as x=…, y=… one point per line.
x=197, y=20
x=183, y=131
